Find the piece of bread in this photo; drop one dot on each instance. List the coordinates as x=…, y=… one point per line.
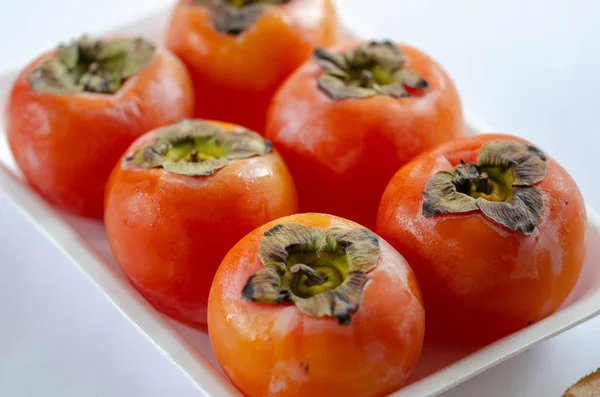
x=586, y=387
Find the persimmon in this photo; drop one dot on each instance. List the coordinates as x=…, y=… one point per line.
x=495, y=231
x=72, y=112
x=347, y=120
x=239, y=52
x=181, y=198
x=315, y=305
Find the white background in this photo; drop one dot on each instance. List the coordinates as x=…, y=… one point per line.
x=527, y=67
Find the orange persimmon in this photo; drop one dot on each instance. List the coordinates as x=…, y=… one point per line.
x=348, y=120
x=183, y=196
x=239, y=52
x=494, y=230
x=72, y=113
x=315, y=305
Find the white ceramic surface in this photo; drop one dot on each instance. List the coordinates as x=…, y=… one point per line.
x=84, y=242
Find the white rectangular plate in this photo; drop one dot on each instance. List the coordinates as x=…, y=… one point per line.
x=84, y=242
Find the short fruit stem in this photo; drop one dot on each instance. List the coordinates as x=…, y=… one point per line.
x=481, y=184
x=496, y=186
x=194, y=156
x=312, y=277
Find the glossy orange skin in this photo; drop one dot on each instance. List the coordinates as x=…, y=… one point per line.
x=481, y=280
x=67, y=145
x=169, y=232
x=236, y=76
x=342, y=153
x=269, y=350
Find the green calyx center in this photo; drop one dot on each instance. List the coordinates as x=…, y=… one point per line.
x=235, y=16
x=372, y=68
x=198, y=148
x=195, y=150
x=487, y=182
x=89, y=65
x=323, y=273
x=501, y=185
x=311, y=273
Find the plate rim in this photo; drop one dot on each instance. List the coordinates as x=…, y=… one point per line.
x=154, y=327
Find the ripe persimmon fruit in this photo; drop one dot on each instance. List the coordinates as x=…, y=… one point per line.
x=495, y=231
x=239, y=52
x=182, y=197
x=315, y=305
x=347, y=120
x=73, y=112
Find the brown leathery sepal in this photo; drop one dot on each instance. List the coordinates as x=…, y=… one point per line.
x=441, y=197
x=265, y=286
x=360, y=245
x=279, y=241
x=234, y=16
x=200, y=168
x=340, y=302
x=501, y=185
x=527, y=162
x=521, y=213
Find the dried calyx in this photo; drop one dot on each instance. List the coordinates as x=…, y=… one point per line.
x=323, y=273
x=501, y=185
x=92, y=66
x=372, y=68
x=234, y=16
x=197, y=148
